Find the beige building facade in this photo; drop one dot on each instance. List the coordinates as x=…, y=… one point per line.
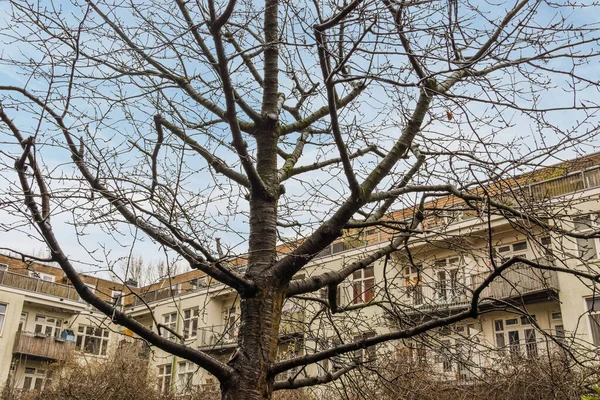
x=526, y=312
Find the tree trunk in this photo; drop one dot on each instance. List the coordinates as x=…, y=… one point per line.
x=257, y=348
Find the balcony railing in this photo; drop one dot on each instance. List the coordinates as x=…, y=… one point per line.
x=218, y=336
x=155, y=295
x=514, y=282
x=32, y=284
x=41, y=346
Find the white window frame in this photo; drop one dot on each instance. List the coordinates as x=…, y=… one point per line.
x=365, y=354
x=35, y=375
x=3, y=267
x=507, y=251
x=185, y=377
x=363, y=285
x=169, y=320
x=42, y=276
x=449, y=278
x=231, y=321
x=413, y=276
x=22, y=322
x=592, y=307
x=164, y=378
x=190, y=322
x=520, y=325
x=3, y=316
x=48, y=325
x=117, y=297
x=87, y=334
x=585, y=224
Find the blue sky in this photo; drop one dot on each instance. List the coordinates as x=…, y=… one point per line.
x=96, y=247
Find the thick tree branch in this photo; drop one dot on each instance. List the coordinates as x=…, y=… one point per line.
x=314, y=380
x=215, y=367
x=219, y=165
x=121, y=205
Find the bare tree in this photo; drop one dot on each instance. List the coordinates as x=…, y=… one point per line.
x=289, y=123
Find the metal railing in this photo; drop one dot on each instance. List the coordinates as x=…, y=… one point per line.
x=155, y=295
x=40, y=345
x=38, y=285
x=514, y=282
x=218, y=335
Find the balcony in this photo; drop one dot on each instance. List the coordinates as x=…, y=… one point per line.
x=31, y=284
x=517, y=282
x=218, y=336
x=36, y=345
x=155, y=295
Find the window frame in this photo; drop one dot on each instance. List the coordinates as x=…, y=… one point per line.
x=511, y=252
x=165, y=378
x=185, y=374
x=363, y=285
x=3, y=315
x=366, y=354
x=169, y=320
x=592, y=307
x=190, y=322
x=42, y=276
x=37, y=376
x=117, y=297
x=518, y=337
x=413, y=276
x=593, y=224
x=83, y=338
x=56, y=326
x=449, y=277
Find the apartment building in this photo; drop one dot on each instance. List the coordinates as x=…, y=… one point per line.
x=525, y=310
x=44, y=321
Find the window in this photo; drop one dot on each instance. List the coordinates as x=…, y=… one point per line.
x=3, y=308
x=367, y=354
x=363, y=285
x=198, y=283
x=556, y=325
x=447, y=285
x=516, y=334
x=230, y=324
x=190, y=322
x=587, y=249
x=117, y=297
x=324, y=294
x=3, y=267
x=169, y=321
x=48, y=326
x=34, y=378
x=92, y=340
x=593, y=307
x=413, y=282
x=23, y=322
x=446, y=356
x=164, y=378
x=518, y=249
x=42, y=276
x=185, y=376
